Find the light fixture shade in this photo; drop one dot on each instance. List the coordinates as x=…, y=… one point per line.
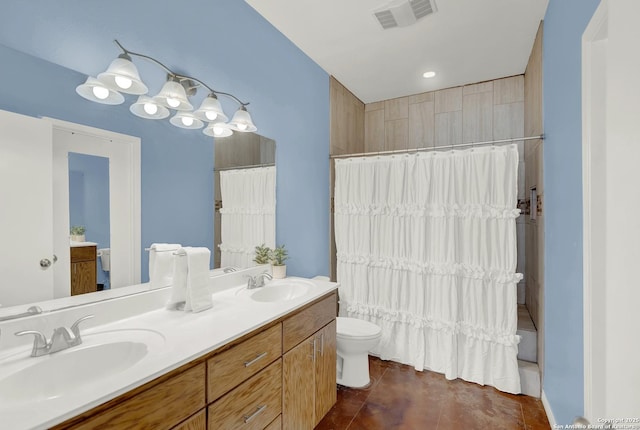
x=173, y=96
x=211, y=110
x=146, y=107
x=241, y=121
x=122, y=75
x=98, y=92
x=218, y=129
x=186, y=120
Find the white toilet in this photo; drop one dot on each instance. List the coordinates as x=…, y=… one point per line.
x=355, y=338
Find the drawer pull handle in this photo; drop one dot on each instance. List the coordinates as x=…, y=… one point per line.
x=259, y=410
x=258, y=357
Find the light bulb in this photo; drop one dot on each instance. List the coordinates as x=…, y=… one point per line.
x=429, y=74
x=123, y=82
x=187, y=120
x=211, y=115
x=218, y=130
x=151, y=108
x=242, y=127
x=174, y=103
x=100, y=92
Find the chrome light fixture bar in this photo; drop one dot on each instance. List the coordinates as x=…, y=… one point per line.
x=122, y=77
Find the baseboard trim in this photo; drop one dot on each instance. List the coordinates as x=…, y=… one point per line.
x=548, y=410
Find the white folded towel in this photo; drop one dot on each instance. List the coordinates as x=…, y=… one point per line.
x=179, y=283
x=198, y=292
x=161, y=264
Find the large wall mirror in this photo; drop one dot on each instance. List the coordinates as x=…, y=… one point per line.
x=78, y=177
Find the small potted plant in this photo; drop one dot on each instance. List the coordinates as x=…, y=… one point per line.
x=278, y=257
x=77, y=233
x=263, y=254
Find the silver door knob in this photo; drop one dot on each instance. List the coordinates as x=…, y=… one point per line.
x=45, y=263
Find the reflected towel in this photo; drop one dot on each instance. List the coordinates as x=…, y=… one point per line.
x=198, y=294
x=161, y=264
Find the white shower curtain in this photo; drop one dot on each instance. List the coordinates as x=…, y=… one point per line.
x=426, y=249
x=247, y=214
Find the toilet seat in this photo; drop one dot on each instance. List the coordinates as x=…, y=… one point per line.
x=352, y=328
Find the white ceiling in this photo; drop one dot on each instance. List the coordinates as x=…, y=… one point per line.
x=465, y=41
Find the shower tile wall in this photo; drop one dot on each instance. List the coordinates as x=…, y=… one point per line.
x=534, y=229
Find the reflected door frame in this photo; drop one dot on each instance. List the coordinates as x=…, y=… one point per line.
x=123, y=152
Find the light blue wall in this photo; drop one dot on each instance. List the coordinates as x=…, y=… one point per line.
x=289, y=97
x=89, y=201
x=564, y=23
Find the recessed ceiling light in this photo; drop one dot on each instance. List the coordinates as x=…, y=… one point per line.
x=429, y=74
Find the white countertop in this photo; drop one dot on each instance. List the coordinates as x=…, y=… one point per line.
x=187, y=336
x=73, y=244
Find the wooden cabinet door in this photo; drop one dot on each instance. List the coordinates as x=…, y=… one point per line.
x=299, y=387
x=325, y=371
x=83, y=277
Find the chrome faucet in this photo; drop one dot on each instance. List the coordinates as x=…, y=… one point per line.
x=62, y=338
x=258, y=280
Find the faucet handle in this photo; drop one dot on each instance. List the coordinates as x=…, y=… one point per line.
x=75, y=326
x=39, y=342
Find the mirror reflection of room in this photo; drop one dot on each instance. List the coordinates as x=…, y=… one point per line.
x=245, y=199
x=89, y=220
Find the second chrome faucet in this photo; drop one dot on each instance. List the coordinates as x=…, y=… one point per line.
x=62, y=338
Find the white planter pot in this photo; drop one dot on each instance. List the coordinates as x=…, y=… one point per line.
x=279, y=272
x=77, y=238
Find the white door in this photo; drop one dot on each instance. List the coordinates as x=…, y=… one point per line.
x=26, y=221
x=611, y=150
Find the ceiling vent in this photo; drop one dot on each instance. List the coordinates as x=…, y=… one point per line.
x=401, y=13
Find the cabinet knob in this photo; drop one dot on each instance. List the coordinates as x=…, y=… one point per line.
x=45, y=263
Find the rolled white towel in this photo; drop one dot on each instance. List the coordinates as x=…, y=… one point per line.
x=198, y=291
x=161, y=264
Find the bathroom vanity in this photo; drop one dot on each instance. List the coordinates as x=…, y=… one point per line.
x=257, y=363
x=83, y=268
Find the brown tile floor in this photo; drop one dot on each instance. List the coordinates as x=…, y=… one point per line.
x=401, y=398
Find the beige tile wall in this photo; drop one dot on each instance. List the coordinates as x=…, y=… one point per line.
x=534, y=229
x=347, y=135
x=472, y=113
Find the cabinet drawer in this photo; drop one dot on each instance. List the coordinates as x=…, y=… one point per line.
x=253, y=405
x=160, y=407
x=300, y=326
x=83, y=253
x=229, y=368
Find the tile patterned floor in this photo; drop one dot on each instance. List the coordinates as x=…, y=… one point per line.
x=401, y=398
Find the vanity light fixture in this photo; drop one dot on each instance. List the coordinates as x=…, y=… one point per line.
x=241, y=121
x=146, y=107
x=186, y=120
x=122, y=77
x=98, y=92
x=219, y=129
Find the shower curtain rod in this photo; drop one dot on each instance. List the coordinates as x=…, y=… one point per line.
x=435, y=148
x=254, y=166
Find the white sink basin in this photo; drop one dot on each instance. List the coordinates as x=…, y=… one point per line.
x=281, y=290
x=102, y=355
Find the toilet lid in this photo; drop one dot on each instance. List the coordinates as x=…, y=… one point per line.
x=352, y=327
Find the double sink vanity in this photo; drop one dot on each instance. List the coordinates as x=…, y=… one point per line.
x=262, y=358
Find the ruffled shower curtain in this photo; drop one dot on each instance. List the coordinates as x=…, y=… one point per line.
x=426, y=249
x=247, y=215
